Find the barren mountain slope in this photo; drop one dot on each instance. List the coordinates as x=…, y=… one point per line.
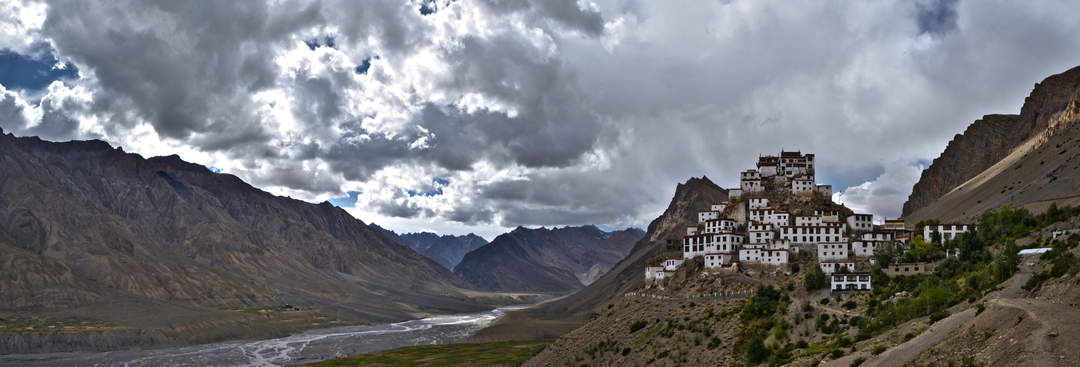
x=546, y=260
x=550, y=319
x=89, y=231
x=1043, y=169
x=992, y=138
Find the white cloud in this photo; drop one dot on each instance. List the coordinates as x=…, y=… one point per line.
x=560, y=112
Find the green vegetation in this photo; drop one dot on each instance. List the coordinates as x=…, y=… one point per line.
x=638, y=325
x=975, y=271
x=1061, y=262
x=816, y=279
x=511, y=353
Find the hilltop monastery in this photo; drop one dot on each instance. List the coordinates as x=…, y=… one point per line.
x=750, y=230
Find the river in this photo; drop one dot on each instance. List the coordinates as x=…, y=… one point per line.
x=307, y=347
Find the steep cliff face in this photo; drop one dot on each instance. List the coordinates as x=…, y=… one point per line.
x=447, y=250
x=88, y=229
x=545, y=260
x=992, y=138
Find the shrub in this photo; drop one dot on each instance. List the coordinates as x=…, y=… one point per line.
x=815, y=279
x=937, y=316
x=824, y=301
x=858, y=361
x=756, y=352
x=850, y=305
x=836, y=353
x=638, y=325
x=626, y=351
x=879, y=349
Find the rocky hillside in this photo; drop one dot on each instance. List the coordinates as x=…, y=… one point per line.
x=447, y=250
x=551, y=319
x=1030, y=159
x=546, y=260
x=994, y=137
x=153, y=246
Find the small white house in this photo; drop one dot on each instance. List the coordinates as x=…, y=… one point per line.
x=759, y=203
x=717, y=260
x=672, y=264
x=750, y=175
x=734, y=193
x=813, y=234
x=876, y=236
x=765, y=236
x=690, y=231
x=828, y=216
x=829, y=267
x=863, y=247
x=774, y=257
x=654, y=273
x=803, y=186
x=719, y=225
x=719, y=208
x=859, y=223
x=948, y=231
x=832, y=251
x=763, y=255
x=807, y=220
x=709, y=215
x=760, y=215
x=778, y=219
x=850, y=282
x=751, y=186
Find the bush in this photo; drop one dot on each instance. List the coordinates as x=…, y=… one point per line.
x=815, y=279
x=626, y=351
x=756, y=352
x=824, y=301
x=638, y=325
x=879, y=349
x=858, y=361
x=836, y=353
x=850, y=305
x=937, y=316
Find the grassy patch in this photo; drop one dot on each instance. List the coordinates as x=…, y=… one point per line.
x=512, y=353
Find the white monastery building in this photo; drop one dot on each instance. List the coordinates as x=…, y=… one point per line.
x=948, y=231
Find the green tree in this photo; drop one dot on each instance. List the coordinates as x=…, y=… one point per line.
x=816, y=279
x=756, y=352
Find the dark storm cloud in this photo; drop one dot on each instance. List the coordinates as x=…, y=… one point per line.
x=567, y=13
x=936, y=17
x=182, y=65
x=539, y=112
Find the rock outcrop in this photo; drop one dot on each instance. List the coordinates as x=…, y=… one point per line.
x=153, y=245
x=545, y=260
x=992, y=138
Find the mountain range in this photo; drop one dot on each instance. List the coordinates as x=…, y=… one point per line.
x=160, y=249
x=546, y=260
x=447, y=250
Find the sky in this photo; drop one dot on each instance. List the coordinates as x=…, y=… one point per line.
x=484, y=115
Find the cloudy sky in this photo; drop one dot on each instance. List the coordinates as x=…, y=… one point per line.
x=482, y=115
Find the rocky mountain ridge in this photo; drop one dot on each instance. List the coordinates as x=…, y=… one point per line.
x=447, y=250
x=93, y=233
x=545, y=260
x=992, y=138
